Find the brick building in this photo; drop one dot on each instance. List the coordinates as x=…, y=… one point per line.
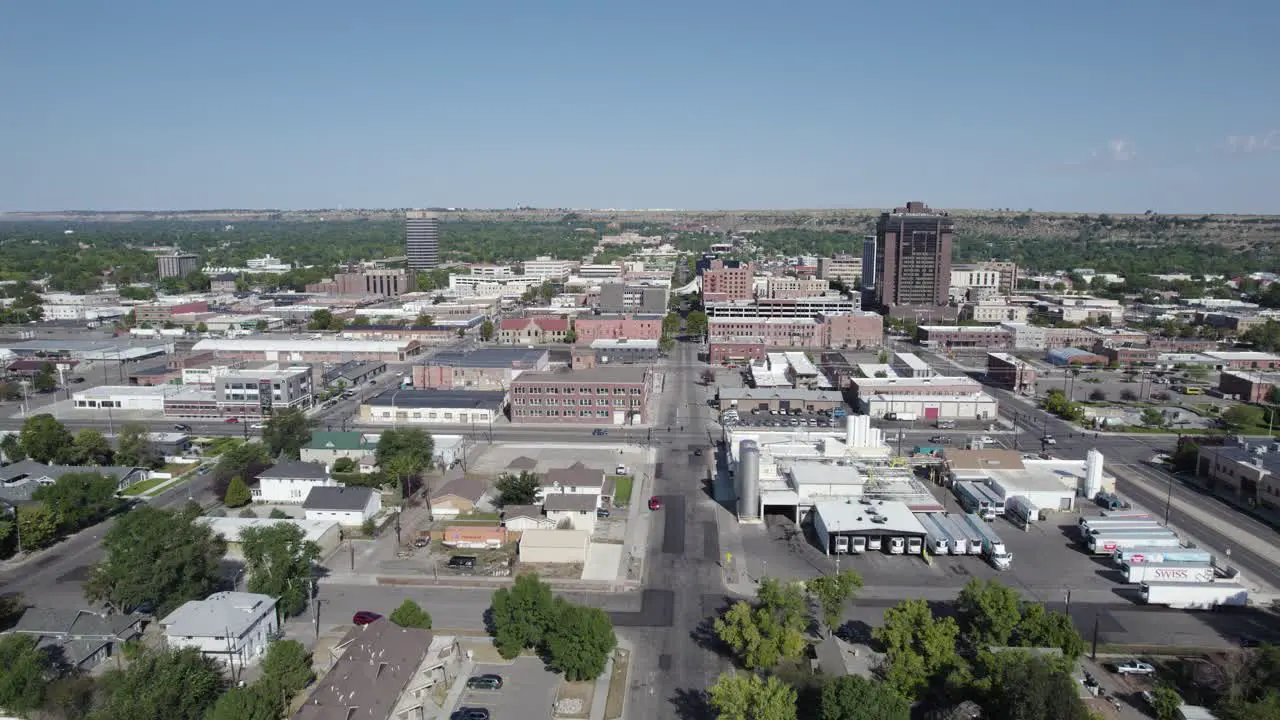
x=1250, y=387
x=378, y=282
x=597, y=396
x=532, y=331
x=1008, y=372
x=483, y=369
x=781, y=288
x=954, y=336
x=721, y=283
x=156, y=313
x=616, y=327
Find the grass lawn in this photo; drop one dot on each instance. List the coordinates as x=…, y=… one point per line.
x=139, y=488
x=178, y=469
x=622, y=489
x=477, y=516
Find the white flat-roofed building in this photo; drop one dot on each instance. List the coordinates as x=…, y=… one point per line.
x=482, y=286
x=321, y=532
x=935, y=385
x=770, y=374
x=1243, y=360
x=960, y=406
x=548, y=268
x=207, y=375
x=278, y=349
x=802, y=368
x=123, y=397
x=816, y=482
x=806, y=307
x=231, y=627
x=600, y=270
x=911, y=365
x=866, y=518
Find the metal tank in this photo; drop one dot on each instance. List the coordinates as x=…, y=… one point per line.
x=748, y=480
x=1092, y=484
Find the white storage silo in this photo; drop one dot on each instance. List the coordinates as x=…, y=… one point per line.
x=1092, y=474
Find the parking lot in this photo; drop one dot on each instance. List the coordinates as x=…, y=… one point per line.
x=528, y=691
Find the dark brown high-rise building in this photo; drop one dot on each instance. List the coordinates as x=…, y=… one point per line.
x=913, y=269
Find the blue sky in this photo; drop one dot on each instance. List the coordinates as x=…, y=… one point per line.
x=1169, y=105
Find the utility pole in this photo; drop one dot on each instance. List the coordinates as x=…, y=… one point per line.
x=1094, y=654
x=351, y=545
x=317, y=604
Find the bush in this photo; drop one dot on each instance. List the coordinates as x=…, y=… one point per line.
x=247, y=513
x=369, y=527
x=238, y=494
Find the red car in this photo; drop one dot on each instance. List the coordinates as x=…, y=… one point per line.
x=655, y=503
x=364, y=617
x=232, y=420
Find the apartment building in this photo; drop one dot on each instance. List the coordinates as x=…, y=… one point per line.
x=722, y=283
x=548, y=269
x=615, y=395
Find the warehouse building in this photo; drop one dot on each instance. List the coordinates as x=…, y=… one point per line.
x=958, y=406
x=482, y=369
x=786, y=399
x=1049, y=483
x=311, y=351
x=435, y=407
x=859, y=526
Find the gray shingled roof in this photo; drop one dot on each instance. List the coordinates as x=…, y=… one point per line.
x=294, y=469
x=574, y=476
x=341, y=497
x=512, y=512
x=470, y=488
x=570, y=502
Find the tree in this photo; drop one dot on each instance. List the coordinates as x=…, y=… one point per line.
x=424, y=320
x=486, y=330
x=546, y=291
x=164, y=685
x=853, y=697
x=135, y=448
x=1166, y=704
x=696, y=322
x=256, y=702
x=670, y=324
x=238, y=494
x=1026, y=687
x=1128, y=395
x=11, y=447
x=42, y=437
x=201, y=327
x=24, y=673
x=78, y=500
x=411, y=615
x=344, y=465
x=518, y=489
x=1042, y=628
x=918, y=646
x=321, y=319
x=832, y=592
x=570, y=336
x=161, y=557
x=38, y=526
x=772, y=629
x=747, y=696
x=287, y=667
x=278, y=514
x=1098, y=396
x=988, y=612
x=520, y=615
x=245, y=460
x=1237, y=416
x=279, y=562
x=286, y=431
x=45, y=380
x=1152, y=417
x=91, y=448
x=578, y=643
x=1056, y=403
x=404, y=453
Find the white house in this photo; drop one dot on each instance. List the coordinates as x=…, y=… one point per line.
x=233, y=627
x=577, y=479
x=519, y=518
x=576, y=511
x=289, y=482
x=343, y=505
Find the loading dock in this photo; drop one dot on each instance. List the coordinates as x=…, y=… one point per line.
x=874, y=524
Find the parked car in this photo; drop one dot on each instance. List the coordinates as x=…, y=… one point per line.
x=1134, y=667
x=182, y=428
x=462, y=562
x=655, y=503
x=472, y=714
x=232, y=420
x=364, y=617
x=485, y=682
x=599, y=431
x=257, y=426
x=697, y=452
x=421, y=542
x=602, y=512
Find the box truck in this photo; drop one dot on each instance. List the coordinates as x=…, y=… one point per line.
x=1161, y=555
x=993, y=548
x=1169, y=572
x=1188, y=596
x=1107, y=544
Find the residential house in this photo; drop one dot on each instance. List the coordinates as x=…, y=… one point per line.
x=572, y=511
x=577, y=479
x=21, y=479
x=288, y=482
x=232, y=627
x=518, y=518
x=382, y=671
x=327, y=447
x=79, y=639
x=457, y=496
x=343, y=505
